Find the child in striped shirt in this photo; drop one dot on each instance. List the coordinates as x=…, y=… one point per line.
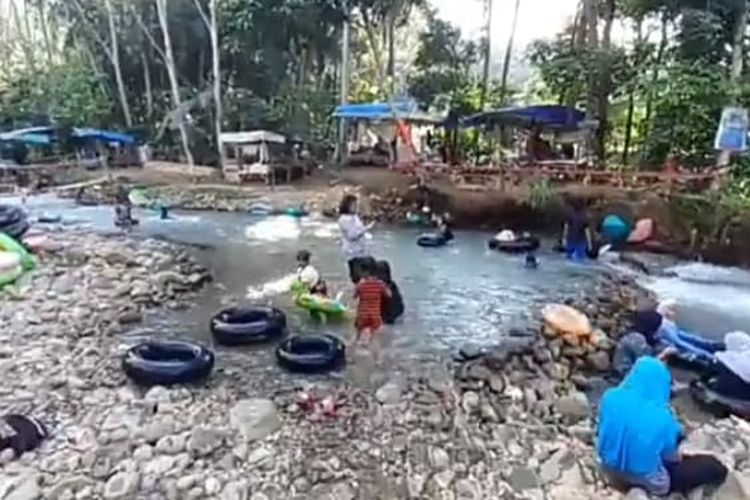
x=370, y=293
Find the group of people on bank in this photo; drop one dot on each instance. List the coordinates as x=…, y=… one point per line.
x=638, y=434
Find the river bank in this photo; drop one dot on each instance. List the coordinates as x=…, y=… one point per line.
x=512, y=424
x=687, y=226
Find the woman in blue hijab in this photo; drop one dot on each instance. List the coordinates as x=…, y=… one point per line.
x=638, y=436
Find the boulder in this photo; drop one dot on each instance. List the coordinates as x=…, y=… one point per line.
x=254, y=418
x=574, y=405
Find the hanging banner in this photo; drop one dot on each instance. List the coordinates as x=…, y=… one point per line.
x=732, y=132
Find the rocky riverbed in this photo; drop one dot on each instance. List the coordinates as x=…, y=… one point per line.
x=512, y=423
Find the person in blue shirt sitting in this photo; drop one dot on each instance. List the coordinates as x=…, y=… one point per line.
x=638, y=436
x=689, y=347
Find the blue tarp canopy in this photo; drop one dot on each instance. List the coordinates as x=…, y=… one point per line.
x=104, y=135
x=379, y=111
x=42, y=136
x=547, y=116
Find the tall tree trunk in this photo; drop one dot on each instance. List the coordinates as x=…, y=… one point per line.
x=115, y=57
x=161, y=11
x=391, y=48
x=735, y=72
x=631, y=92
x=212, y=26
x=487, y=55
x=663, y=38
x=216, y=67
x=509, y=53
x=147, y=85
x=590, y=21
x=604, y=86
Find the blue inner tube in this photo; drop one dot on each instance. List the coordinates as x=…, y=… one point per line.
x=311, y=353
x=717, y=403
x=519, y=245
x=432, y=240
x=615, y=229
x=167, y=362
x=247, y=325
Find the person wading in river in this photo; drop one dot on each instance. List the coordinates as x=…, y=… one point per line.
x=354, y=236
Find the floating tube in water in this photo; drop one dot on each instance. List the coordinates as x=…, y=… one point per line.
x=260, y=209
x=10, y=214
x=8, y=244
x=318, y=304
x=16, y=229
x=167, y=362
x=10, y=276
x=519, y=245
x=717, y=403
x=432, y=240
x=9, y=261
x=615, y=229
x=49, y=219
x=311, y=353
x=247, y=325
x=296, y=212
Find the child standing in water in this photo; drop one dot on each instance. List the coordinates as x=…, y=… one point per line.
x=370, y=293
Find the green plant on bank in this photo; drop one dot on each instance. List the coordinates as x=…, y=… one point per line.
x=541, y=194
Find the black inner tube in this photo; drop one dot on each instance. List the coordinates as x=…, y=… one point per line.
x=166, y=353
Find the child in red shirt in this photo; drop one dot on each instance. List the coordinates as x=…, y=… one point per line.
x=370, y=292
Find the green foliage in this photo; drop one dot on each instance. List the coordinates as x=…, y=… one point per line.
x=66, y=93
x=541, y=194
x=687, y=108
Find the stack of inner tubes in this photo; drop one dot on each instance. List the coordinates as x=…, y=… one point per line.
x=13, y=221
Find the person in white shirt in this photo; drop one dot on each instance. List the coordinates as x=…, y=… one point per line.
x=308, y=275
x=355, y=236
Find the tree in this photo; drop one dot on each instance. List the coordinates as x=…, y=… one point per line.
x=161, y=9
x=509, y=51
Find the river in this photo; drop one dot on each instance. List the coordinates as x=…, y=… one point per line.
x=456, y=295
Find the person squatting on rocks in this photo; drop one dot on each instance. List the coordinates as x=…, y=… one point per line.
x=370, y=293
x=354, y=236
x=638, y=436
x=641, y=341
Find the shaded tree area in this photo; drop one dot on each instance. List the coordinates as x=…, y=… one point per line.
x=660, y=91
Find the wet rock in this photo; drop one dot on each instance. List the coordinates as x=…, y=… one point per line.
x=254, y=418
x=121, y=485
x=523, y=478
x=389, y=393
x=637, y=494
x=497, y=384
x=574, y=405
x=438, y=458
x=204, y=441
x=235, y=490
x=469, y=352
x=470, y=401
x=736, y=486
x=130, y=317
x=599, y=361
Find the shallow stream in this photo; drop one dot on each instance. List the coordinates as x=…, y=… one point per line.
x=461, y=294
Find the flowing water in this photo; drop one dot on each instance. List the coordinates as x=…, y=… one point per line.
x=460, y=294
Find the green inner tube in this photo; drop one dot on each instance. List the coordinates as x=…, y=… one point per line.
x=8, y=244
x=317, y=304
x=9, y=277
x=296, y=212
